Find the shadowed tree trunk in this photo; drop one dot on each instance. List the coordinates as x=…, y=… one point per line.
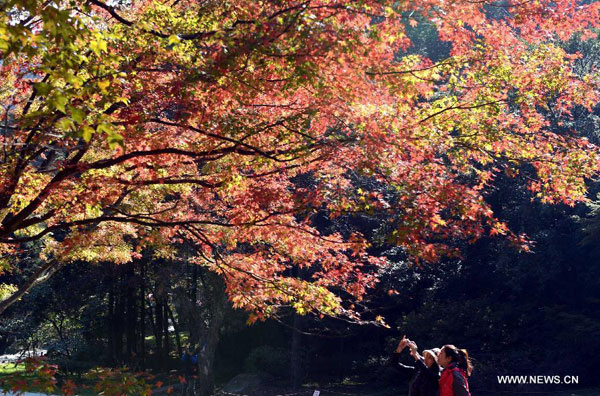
x=165, y=321
x=111, y=317
x=158, y=326
x=176, y=330
x=143, y=313
x=207, y=319
x=296, y=345
x=296, y=352
x=119, y=320
x=131, y=316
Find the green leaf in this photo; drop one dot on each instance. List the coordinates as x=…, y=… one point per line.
x=4, y=43
x=87, y=132
x=60, y=103
x=106, y=128
x=76, y=81
x=95, y=47
x=77, y=114
x=42, y=89
x=115, y=139
x=66, y=124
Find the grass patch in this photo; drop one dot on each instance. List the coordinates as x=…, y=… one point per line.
x=183, y=337
x=11, y=368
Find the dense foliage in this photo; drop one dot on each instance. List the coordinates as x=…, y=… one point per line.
x=157, y=123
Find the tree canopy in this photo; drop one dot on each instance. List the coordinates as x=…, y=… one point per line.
x=225, y=125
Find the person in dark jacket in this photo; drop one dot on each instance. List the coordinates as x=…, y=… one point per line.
x=189, y=361
x=457, y=368
x=425, y=372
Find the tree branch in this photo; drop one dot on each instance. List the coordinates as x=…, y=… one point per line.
x=40, y=275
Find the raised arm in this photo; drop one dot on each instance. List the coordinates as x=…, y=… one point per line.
x=394, y=362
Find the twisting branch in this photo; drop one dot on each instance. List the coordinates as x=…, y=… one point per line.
x=40, y=275
x=188, y=36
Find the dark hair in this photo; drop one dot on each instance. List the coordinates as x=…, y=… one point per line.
x=460, y=356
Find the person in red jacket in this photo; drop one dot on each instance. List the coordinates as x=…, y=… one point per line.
x=457, y=368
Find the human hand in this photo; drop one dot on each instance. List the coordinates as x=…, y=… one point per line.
x=402, y=344
x=413, y=347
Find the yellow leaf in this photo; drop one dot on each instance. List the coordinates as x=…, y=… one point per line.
x=103, y=84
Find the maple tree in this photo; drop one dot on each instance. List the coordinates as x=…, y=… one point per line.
x=144, y=125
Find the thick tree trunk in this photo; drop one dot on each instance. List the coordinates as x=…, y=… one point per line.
x=175, y=329
x=111, y=317
x=158, y=328
x=191, y=305
x=131, y=316
x=296, y=353
x=341, y=371
x=118, y=323
x=143, y=313
x=296, y=345
x=210, y=335
x=166, y=341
